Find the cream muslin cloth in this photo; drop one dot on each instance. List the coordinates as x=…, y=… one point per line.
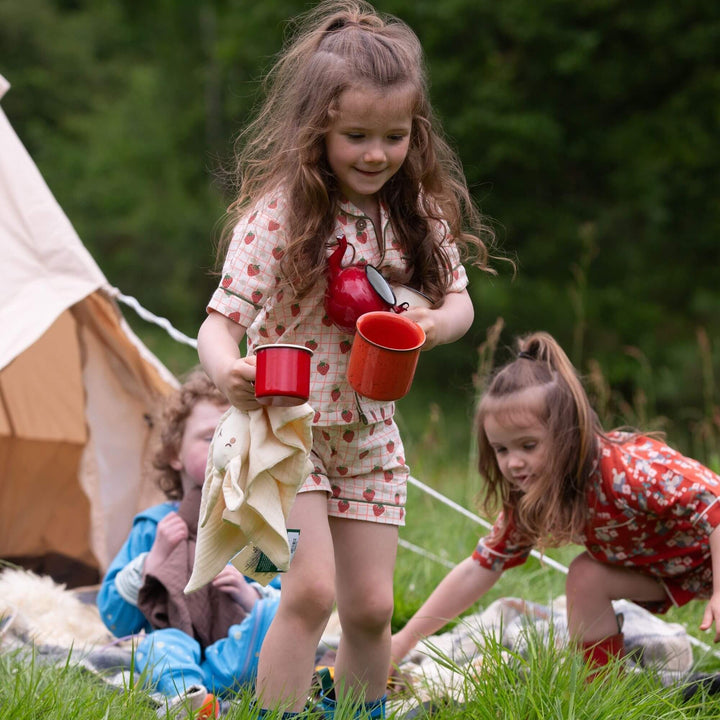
x=258, y=460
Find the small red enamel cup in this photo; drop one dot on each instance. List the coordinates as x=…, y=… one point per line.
x=384, y=355
x=283, y=374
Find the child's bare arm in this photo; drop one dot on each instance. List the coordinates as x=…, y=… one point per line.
x=712, y=611
x=464, y=585
x=447, y=323
x=219, y=352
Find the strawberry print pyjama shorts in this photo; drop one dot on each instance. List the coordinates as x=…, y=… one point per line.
x=362, y=469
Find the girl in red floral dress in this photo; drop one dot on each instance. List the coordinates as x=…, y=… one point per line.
x=344, y=144
x=646, y=515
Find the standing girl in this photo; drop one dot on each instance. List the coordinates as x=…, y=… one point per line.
x=646, y=515
x=345, y=143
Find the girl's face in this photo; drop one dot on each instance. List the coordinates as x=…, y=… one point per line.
x=368, y=141
x=521, y=446
x=199, y=429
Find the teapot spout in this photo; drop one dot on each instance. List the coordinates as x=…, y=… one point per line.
x=335, y=259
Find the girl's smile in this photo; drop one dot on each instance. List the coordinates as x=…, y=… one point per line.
x=520, y=445
x=368, y=141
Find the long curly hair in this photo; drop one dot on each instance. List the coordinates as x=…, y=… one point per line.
x=195, y=388
x=542, y=381
x=336, y=46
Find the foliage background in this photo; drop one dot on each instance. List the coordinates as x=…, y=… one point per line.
x=588, y=131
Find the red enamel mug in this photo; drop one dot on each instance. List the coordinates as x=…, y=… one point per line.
x=283, y=374
x=384, y=355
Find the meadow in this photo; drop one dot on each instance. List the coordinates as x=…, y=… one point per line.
x=546, y=683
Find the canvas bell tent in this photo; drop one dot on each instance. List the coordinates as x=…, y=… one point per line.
x=78, y=390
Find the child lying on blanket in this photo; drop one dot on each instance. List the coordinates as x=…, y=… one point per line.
x=206, y=643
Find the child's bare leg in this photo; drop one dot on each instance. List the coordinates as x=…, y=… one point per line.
x=287, y=657
x=591, y=587
x=365, y=560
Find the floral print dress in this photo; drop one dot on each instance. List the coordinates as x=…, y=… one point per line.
x=649, y=508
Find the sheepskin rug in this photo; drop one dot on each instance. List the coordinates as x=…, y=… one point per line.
x=34, y=608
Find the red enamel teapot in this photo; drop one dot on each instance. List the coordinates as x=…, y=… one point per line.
x=355, y=290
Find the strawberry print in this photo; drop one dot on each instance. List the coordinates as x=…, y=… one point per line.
x=364, y=454
x=227, y=281
x=279, y=330
x=342, y=470
x=277, y=253
x=326, y=435
x=263, y=332
x=253, y=270
x=397, y=498
x=388, y=421
x=316, y=478
x=311, y=345
x=326, y=321
x=316, y=417
x=256, y=296
x=388, y=475
x=295, y=309
x=273, y=225
x=347, y=415
x=378, y=509
x=400, y=459
x=343, y=506
x=249, y=237
x=273, y=204
x=234, y=316
x=280, y=295
x=390, y=446
x=348, y=436
x=362, y=237
x=323, y=367
x=368, y=494
x=335, y=489
x=335, y=394
x=345, y=346
x=252, y=217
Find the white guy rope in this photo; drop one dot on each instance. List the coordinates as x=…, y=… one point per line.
x=162, y=322
x=180, y=337
x=425, y=553
x=476, y=518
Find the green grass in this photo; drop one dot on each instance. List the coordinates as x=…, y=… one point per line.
x=546, y=683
